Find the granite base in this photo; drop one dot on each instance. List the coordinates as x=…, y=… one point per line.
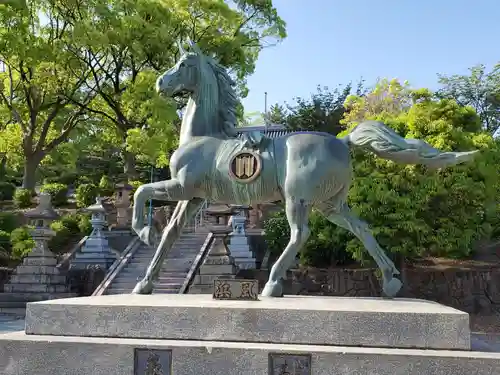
x=368, y=322
x=22, y=354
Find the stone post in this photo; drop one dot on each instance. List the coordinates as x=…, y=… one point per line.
x=238, y=245
x=122, y=204
x=38, y=275
x=219, y=264
x=96, y=250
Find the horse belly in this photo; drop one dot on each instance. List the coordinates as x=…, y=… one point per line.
x=237, y=178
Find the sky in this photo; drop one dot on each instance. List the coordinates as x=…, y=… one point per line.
x=332, y=42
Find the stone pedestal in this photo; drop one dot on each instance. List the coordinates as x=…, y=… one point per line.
x=238, y=243
x=37, y=278
x=188, y=334
x=219, y=264
x=96, y=250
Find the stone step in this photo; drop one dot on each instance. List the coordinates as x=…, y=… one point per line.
x=174, y=274
x=13, y=304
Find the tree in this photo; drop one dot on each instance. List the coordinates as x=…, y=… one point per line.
x=41, y=85
x=412, y=211
x=321, y=112
x=126, y=43
x=480, y=90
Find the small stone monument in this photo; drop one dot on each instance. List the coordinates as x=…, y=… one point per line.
x=219, y=264
x=238, y=244
x=38, y=275
x=122, y=204
x=96, y=250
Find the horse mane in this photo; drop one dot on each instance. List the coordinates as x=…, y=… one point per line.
x=228, y=100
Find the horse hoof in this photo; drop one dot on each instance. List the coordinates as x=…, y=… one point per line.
x=143, y=287
x=272, y=289
x=392, y=287
x=148, y=235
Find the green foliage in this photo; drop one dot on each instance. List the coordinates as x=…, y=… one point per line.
x=58, y=193
x=4, y=240
x=84, y=224
x=106, y=186
x=8, y=222
x=86, y=194
x=480, y=90
x=6, y=191
x=323, y=111
x=67, y=229
x=22, y=198
x=413, y=211
x=325, y=247
x=22, y=243
x=59, y=242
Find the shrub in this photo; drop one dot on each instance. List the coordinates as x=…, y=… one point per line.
x=22, y=198
x=22, y=242
x=58, y=243
x=58, y=192
x=71, y=223
x=84, y=224
x=86, y=194
x=8, y=222
x=6, y=191
x=4, y=240
x=106, y=187
x=68, y=178
x=67, y=228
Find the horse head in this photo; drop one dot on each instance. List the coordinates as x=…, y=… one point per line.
x=185, y=75
x=210, y=88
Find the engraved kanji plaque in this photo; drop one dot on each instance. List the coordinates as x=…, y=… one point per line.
x=152, y=362
x=289, y=364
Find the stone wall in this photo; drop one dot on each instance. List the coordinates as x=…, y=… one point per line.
x=5, y=273
x=469, y=289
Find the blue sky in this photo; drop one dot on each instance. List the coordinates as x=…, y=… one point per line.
x=332, y=42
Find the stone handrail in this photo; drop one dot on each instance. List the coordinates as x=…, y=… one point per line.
x=117, y=266
x=66, y=259
x=198, y=261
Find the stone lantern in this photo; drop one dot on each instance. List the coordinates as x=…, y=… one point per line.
x=38, y=278
x=40, y=218
x=219, y=264
x=239, y=246
x=96, y=250
x=123, y=197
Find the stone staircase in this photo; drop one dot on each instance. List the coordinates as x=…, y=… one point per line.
x=173, y=272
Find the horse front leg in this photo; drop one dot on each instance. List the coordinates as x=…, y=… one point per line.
x=162, y=190
x=184, y=212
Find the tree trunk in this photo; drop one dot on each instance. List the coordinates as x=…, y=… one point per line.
x=129, y=165
x=31, y=164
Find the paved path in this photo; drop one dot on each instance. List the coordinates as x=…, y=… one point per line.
x=10, y=323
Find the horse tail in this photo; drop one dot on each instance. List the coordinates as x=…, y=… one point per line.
x=384, y=142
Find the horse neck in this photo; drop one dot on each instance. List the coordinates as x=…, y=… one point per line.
x=201, y=115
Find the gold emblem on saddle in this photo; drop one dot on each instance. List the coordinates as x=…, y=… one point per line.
x=245, y=166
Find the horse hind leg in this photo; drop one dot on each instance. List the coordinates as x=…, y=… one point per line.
x=346, y=219
x=297, y=214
